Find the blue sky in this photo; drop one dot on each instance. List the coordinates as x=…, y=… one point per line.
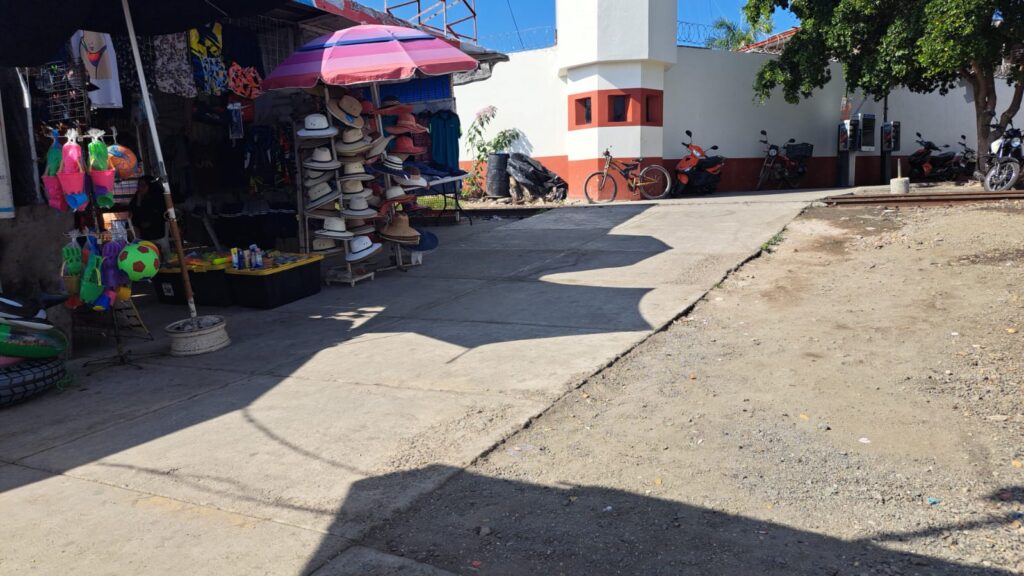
x=536, y=18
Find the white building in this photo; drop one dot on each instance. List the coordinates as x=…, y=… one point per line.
x=617, y=79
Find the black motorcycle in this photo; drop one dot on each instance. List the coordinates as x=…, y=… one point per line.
x=1005, y=160
x=929, y=162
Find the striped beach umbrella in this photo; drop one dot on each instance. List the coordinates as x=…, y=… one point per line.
x=367, y=54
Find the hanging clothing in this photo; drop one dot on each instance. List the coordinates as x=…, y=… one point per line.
x=96, y=50
x=445, y=131
x=173, y=60
x=126, y=61
x=206, y=44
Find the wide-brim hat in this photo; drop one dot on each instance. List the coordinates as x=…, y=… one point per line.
x=406, y=125
x=322, y=244
x=428, y=241
x=352, y=186
x=334, y=228
x=321, y=194
x=392, y=165
x=362, y=248
x=358, y=208
x=359, y=226
x=364, y=193
x=398, y=194
x=317, y=126
x=393, y=107
x=368, y=108
x=353, y=142
x=405, y=145
x=321, y=160
x=379, y=146
x=314, y=177
x=414, y=179
x=355, y=171
x=337, y=108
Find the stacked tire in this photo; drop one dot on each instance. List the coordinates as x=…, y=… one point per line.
x=29, y=378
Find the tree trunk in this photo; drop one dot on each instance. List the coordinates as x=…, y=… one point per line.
x=984, y=87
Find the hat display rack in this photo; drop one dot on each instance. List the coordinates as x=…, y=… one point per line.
x=321, y=188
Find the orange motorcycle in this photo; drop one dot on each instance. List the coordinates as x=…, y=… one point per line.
x=698, y=173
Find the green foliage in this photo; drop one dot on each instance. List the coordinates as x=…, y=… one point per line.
x=922, y=45
x=478, y=145
x=731, y=35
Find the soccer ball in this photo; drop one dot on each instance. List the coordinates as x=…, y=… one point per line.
x=124, y=161
x=138, y=261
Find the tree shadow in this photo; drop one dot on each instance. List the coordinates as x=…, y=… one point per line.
x=480, y=525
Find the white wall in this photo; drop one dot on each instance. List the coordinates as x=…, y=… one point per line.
x=616, y=30
x=529, y=95
x=710, y=92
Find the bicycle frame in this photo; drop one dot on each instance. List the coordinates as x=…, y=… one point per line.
x=629, y=172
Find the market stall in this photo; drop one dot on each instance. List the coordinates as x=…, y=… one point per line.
x=387, y=134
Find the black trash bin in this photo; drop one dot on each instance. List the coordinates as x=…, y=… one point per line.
x=497, y=176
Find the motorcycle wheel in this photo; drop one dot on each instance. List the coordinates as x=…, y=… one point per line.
x=766, y=172
x=1002, y=176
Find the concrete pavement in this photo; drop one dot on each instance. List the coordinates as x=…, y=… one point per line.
x=244, y=461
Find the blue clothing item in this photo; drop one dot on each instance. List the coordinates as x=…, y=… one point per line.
x=445, y=131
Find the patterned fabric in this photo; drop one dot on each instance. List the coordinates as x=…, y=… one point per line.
x=245, y=82
x=126, y=61
x=172, y=60
x=206, y=44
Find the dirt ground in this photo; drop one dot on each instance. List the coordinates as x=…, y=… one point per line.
x=851, y=403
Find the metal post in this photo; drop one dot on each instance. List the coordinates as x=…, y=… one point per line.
x=886, y=154
x=159, y=153
x=26, y=95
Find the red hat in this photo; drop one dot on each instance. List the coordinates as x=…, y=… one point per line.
x=406, y=125
x=368, y=108
x=404, y=145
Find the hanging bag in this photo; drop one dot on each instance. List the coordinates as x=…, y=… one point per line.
x=100, y=172
x=54, y=192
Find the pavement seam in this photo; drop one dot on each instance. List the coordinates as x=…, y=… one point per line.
x=182, y=501
x=19, y=461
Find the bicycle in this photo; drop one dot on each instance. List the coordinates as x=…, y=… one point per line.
x=653, y=182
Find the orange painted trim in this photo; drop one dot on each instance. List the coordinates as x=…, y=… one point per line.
x=644, y=107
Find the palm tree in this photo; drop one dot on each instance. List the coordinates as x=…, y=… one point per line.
x=731, y=35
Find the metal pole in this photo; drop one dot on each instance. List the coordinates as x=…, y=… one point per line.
x=31, y=134
x=159, y=153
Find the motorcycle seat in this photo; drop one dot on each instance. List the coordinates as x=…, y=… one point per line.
x=709, y=162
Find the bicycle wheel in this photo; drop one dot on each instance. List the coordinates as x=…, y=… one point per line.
x=654, y=182
x=599, y=188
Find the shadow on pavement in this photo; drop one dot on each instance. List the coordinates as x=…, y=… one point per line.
x=480, y=525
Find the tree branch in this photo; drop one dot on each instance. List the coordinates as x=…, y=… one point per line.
x=1014, y=107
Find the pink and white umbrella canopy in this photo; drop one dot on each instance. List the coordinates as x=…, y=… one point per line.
x=368, y=53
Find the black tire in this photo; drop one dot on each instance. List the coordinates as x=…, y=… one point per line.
x=766, y=172
x=29, y=378
x=660, y=185
x=1002, y=176
x=600, y=183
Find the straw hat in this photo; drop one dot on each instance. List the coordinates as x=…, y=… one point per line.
x=406, y=125
x=379, y=146
x=314, y=177
x=352, y=186
x=334, y=228
x=322, y=160
x=355, y=171
x=322, y=244
x=415, y=179
x=317, y=126
x=404, y=145
x=400, y=232
x=392, y=106
x=347, y=110
x=398, y=194
x=358, y=208
x=362, y=248
x=353, y=142
x=391, y=165
x=321, y=194
x=358, y=226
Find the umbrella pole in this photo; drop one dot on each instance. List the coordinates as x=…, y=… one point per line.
x=159, y=153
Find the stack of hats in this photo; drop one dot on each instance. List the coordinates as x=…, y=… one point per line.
x=319, y=177
x=399, y=231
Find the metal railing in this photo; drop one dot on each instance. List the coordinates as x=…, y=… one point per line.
x=452, y=18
